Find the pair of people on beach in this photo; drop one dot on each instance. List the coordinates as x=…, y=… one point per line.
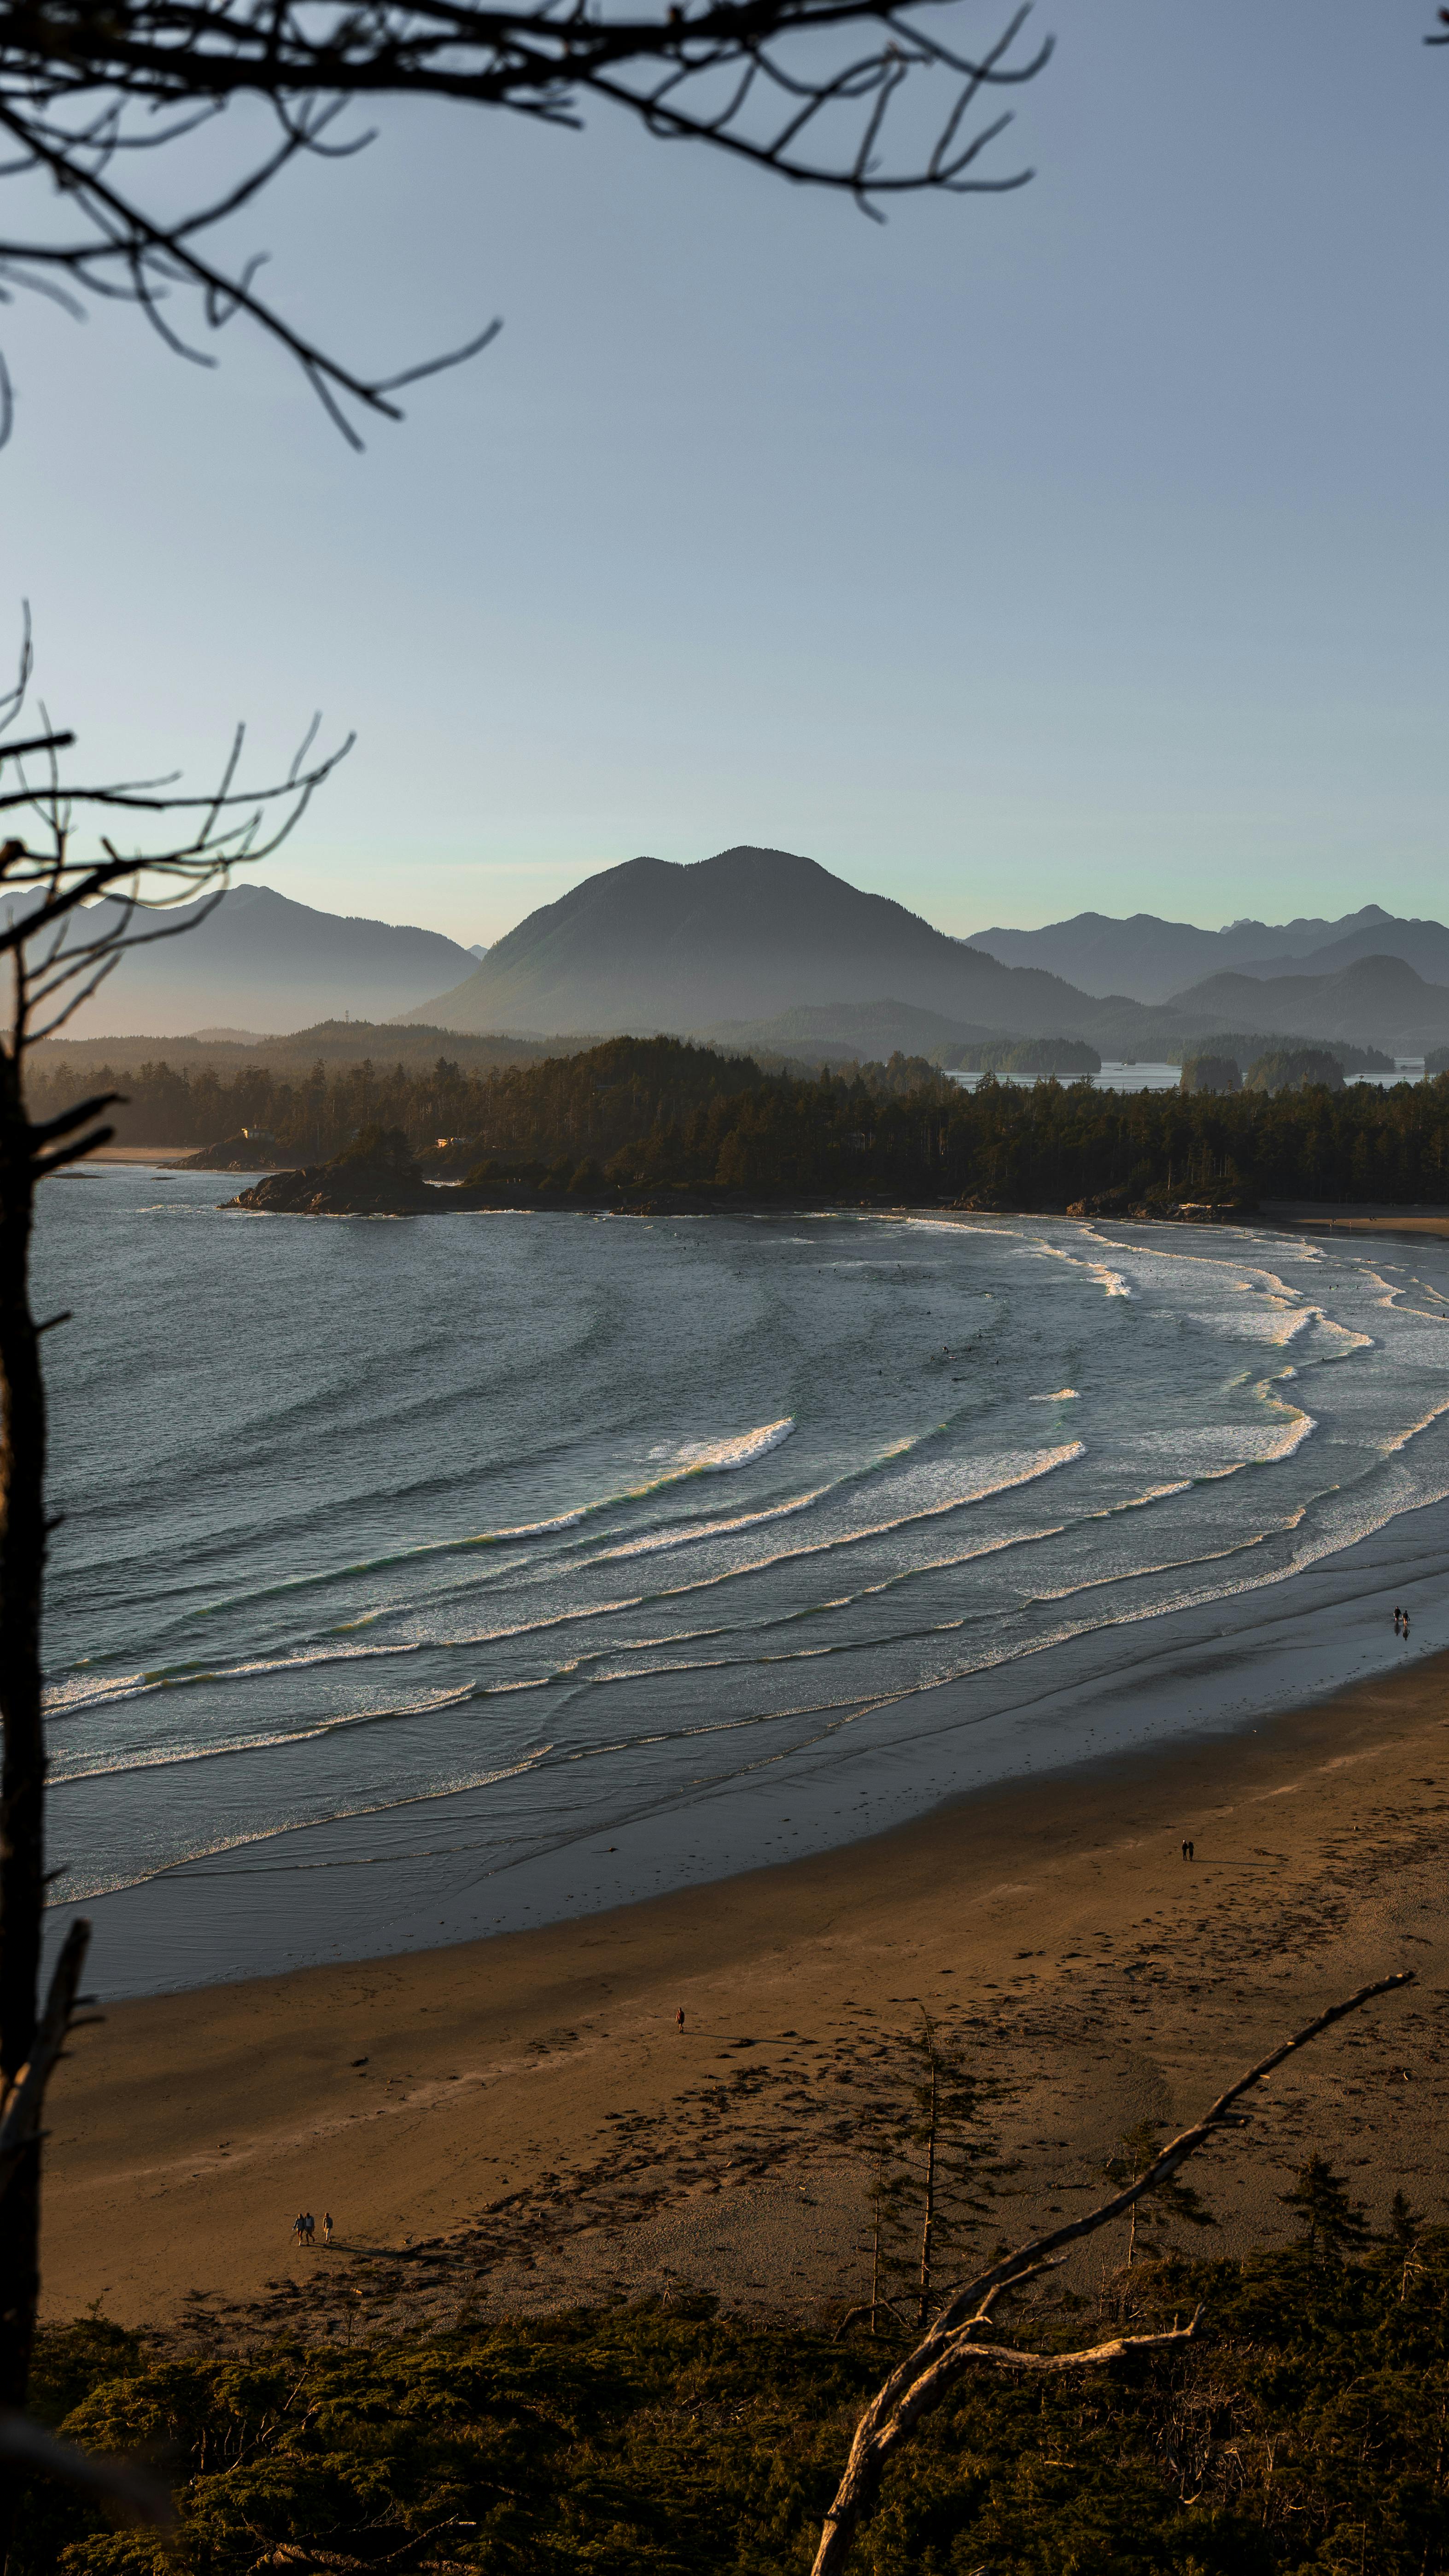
x=304, y=2228
x=1187, y=1851
x=1401, y=1621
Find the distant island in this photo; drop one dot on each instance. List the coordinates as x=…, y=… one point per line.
x=658, y=1124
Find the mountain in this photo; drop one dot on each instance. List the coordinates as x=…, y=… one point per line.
x=868, y=1031
x=1150, y=959
x=1423, y=944
x=655, y=945
x=259, y=962
x=1375, y=1001
x=332, y=1043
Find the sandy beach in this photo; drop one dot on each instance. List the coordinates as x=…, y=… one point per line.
x=160, y=1154
x=521, y=2122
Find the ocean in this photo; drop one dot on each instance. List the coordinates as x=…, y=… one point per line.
x=426, y=1578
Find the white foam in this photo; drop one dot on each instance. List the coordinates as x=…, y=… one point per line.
x=1426, y=1421
x=1291, y=1437
x=692, y=1531
x=721, y=1457
x=1059, y=1395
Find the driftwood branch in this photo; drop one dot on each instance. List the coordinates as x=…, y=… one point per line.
x=954, y=2341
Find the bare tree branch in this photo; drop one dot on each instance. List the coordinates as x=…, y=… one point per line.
x=71, y=906
x=810, y=90
x=24, y=2100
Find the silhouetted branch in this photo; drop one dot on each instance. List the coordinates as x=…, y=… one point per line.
x=24, y=2100
x=60, y=952
x=68, y=914
x=806, y=89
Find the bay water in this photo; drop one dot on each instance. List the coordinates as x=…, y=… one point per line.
x=423, y=1578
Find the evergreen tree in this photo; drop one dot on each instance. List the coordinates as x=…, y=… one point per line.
x=1168, y=2200
x=1333, y=2225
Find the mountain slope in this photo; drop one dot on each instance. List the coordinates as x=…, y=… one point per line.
x=1422, y=944
x=1377, y=1001
x=654, y=945
x=260, y=961
x=1150, y=959
x=871, y=1031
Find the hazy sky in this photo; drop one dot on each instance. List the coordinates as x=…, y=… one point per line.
x=1081, y=547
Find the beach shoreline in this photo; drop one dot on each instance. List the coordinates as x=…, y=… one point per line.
x=521, y=2121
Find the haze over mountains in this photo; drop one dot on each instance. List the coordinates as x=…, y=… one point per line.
x=1151, y=960
x=766, y=949
x=654, y=944
x=259, y=961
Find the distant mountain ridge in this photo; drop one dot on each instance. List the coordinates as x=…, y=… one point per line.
x=1150, y=960
x=262, y=963
x=766, y=948
x=654, y=945
x=1379, y=994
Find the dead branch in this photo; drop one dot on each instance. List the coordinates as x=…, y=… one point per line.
x=293, y=2553
x=953, y=2343
x=72, y=913
x=808, y=90
x=24, y=2101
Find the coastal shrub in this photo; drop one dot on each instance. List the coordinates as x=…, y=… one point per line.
x=1303, y=2431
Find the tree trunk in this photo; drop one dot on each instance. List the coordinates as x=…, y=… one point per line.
x=22, y=1764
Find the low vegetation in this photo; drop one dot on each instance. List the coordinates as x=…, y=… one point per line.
x=1305, y=2428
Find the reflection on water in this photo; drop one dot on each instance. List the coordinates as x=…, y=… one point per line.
x=1165, y=1077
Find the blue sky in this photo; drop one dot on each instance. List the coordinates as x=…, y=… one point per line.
x=1081, y=547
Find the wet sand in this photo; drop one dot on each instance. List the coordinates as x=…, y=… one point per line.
x=520, y=2122
x=1311, y=1216
x=160, y=1154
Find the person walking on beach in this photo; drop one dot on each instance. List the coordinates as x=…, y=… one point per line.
x=1184, y=1851
x=310, y=2225
x=679, y=2018
x=326, y=2226
x=1191, y=1851
x=299, y=2227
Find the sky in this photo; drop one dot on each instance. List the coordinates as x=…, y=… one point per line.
x=1079, y=548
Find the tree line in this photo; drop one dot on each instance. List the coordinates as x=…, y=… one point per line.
x=901, y=1132
x=657, y=1114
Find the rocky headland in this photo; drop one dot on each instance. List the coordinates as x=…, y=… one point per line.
x=376, y=1175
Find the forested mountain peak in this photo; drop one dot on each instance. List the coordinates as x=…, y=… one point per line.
x=655, y=944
